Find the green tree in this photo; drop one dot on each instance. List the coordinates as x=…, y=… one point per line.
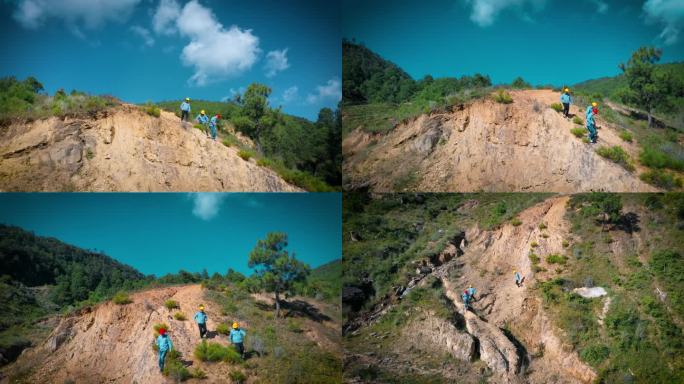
x=520, y=83
x=276, y=269
x=647, y=88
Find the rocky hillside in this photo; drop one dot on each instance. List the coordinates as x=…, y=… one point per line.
x=124, y=149
x=488, y=146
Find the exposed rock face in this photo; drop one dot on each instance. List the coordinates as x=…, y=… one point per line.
x=486, y=146
x=433, y=332
x=124, y=149
x=495, y=349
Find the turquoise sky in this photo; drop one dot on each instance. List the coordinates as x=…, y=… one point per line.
x=546, y=42
x=129, y=49
x=164, y=232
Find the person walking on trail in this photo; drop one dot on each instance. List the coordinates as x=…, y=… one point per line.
x=566, y=100
x=518, y=278
x=212, y=125
x=466, y=299
x=471, y=292
x=592, y=111
x=203, y=119
x=165, y=345
x=201, y=320
x=237, y=337
x=185, y=109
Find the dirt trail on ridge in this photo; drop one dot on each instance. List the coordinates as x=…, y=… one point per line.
x=487, y=146
x=125, y=149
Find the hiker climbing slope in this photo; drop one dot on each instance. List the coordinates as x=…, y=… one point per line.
x=185, y=109
x=203, y=119
x=591, y=113
x=566, y=100
x=237, y=336
x=201, y=320
x=165, y=345
x=212, y=125
x=466, y=300
x=518, y=278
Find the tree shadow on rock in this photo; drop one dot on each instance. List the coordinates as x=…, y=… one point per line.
x=300, y=308
x=629, y=223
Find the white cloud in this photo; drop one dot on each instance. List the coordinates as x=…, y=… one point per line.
x=164, y=18
x=276, y=61
x=214, y=52
x=668, y=13
x=206, y=205
x=144, y=34
x=601, y=6
x=90, y=14
x=291, y=94
x=332, y=90
x=484, y=12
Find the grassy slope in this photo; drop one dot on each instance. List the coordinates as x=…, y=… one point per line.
x=328, y=280
x=642, y=335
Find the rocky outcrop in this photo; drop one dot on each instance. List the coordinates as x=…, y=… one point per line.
x=433, y=333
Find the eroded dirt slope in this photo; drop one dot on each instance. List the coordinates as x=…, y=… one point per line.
x=486, y=146
x=124, y=149
x=112, y=343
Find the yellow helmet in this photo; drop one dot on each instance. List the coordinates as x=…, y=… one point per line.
x=567, y=90
x=201, y=307
x=235, y=325
x=187, y=99
x=202, y=111
x=594, y=104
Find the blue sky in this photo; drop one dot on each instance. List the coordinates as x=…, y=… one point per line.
x=164, y=232
x=544, y=41
x=141, y=50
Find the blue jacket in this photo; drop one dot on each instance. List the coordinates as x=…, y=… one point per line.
x=237, y=335
x=465, y=298
x=203, y=119
x=517, y=276
x=565, y=98
x=212, y=122
x=471, y=292
x=164, y=343
x=185, y=106
x=590, y=117
x=200, y=317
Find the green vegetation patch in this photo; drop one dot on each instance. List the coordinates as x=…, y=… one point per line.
x=617, y=155
x=578, y=132
x=502, y=97
x=121, y=298
x=661, y=179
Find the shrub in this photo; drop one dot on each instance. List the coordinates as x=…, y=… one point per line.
x=121, y=298
x=222, y=329
x=245, y=155
x=216, y=352
x=545, y=235
x=180, y=316
x=534, y=258
x=197, y=373
x=594, y=354
x=171, y=304
x=577, y=120
x=516, y=222
x=534, y=244
x=542, y=226
x=585, y=140
x=294, y=325
x=89, y=154
x=152, y=110
x=657, y=158
x=502, y=97
x=578, y=132
x=557, y=107
x=565, y=244
x=556, y=259
x=174, y=367
x=661, y=179
x=617, y=155
x=625, y=135
x=237, y=377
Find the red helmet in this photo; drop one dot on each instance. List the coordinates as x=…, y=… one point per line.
x=594, y=111
x=162, y=331
x=218, y=115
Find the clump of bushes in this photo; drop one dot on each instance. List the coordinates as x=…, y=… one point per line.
x=174, y=367
x=171, y=304
x=198, y=373
x=625, y=135
x=180, y=316
x=237, y=377
x=577, y=120
x=595, y=354
x=222, y=329
x=152, y=110
x=617, y=155
x=657, y=158
x=578, y=132
x=542, y=225
x=558, y=107
x=502, y=97
x=121, y=298
x=534, y=244
x=556, y=259
x=216, y=352
x=516, y=222
x=245, y=155
x=661, y=179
